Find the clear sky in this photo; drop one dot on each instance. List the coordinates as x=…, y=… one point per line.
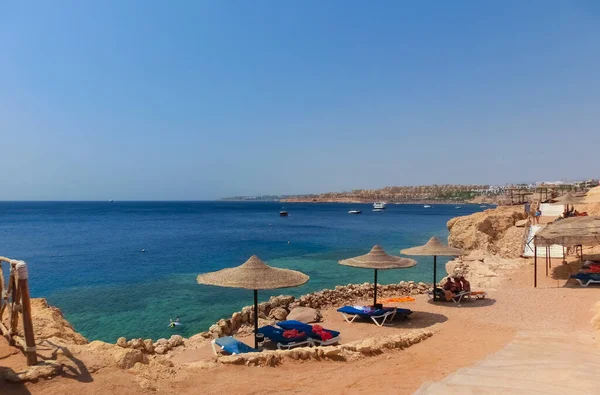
x=193, y=100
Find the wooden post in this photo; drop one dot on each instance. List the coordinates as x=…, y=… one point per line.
x=2, y=301
x=23, y=286
x=13, y=314
x=534, y=264
x=255, y=318
x=434, y=276
x=546, y=261
x=375, y=291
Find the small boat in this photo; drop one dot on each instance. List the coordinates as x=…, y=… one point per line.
x=283, y=213
x=379, y=205
x=111, y=201
x=457, y=207
x=426, y=206
x=354, y=212
x=377, y=210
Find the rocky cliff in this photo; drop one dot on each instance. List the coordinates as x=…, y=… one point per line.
x=492, y=231
x=49, y=323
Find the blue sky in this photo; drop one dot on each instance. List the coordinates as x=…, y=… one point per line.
x=198, y=100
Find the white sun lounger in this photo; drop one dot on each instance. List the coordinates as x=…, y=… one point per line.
x=457, y=297
x=350, y=313
x=585, y=279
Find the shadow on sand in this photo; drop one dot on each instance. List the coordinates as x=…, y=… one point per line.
x=563, y=271
x=76, y=371
x=9, y=388
x=418, y=320
x=465, y=303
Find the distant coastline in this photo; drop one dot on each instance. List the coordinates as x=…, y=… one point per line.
x=487, y=201
x=365, y=201
x=423, y=194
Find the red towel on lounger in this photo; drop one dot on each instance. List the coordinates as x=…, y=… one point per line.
x=325, y=335
x=292, y=334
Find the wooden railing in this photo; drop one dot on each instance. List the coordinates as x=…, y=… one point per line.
x=14, y=299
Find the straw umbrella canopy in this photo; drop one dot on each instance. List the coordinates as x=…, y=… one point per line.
x=254, y=274
x=567, y=199
x=436, y=248
x=378, y=259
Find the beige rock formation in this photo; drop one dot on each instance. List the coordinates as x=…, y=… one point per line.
x=591, y=208
x=486, y=231
x=484, y=271
x=44, y=369
x=278, y=313
x=48, y=323
x=126, y=358
x=304, y=314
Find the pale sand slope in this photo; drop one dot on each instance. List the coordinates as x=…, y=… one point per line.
x=551, y=363
x=463, y=336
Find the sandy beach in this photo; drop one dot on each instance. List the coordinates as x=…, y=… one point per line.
x=462, y=335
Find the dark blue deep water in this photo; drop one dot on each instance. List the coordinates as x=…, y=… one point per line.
x=85, y=257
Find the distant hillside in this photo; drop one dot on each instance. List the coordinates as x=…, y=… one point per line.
x=405, y=194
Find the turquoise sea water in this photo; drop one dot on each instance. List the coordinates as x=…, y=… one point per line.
x=87, y=259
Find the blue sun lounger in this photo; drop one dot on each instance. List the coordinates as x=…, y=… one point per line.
x=276, y=335
x=232, y=346
x=586, y=279
x=403, y=313
x=306, y=328
x=351, y=312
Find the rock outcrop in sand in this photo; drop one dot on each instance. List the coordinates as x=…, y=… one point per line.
x=484, y=271
x=493, y=231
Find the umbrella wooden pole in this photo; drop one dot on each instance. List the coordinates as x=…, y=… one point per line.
x=546, y=261
x=255, y=318
x=535, y=265
x=434, y=275
x=375, y=290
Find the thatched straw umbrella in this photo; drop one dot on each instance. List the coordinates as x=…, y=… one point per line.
x=436, y=248
x=378, y=259
x=254, y=274
x=567, y=199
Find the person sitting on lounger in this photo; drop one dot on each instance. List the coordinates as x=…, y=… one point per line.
x=466, y=286
x=456, y=286
x=449, y=288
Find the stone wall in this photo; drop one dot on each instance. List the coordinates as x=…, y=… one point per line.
x=343, y=352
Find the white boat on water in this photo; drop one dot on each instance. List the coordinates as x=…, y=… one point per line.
x=426, y=206
x=379, y=205
x=354, y=212
x=377, y=210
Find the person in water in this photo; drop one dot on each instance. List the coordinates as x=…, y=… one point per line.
x=172, y=323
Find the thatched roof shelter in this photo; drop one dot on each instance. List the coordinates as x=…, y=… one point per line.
x=570, y=232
